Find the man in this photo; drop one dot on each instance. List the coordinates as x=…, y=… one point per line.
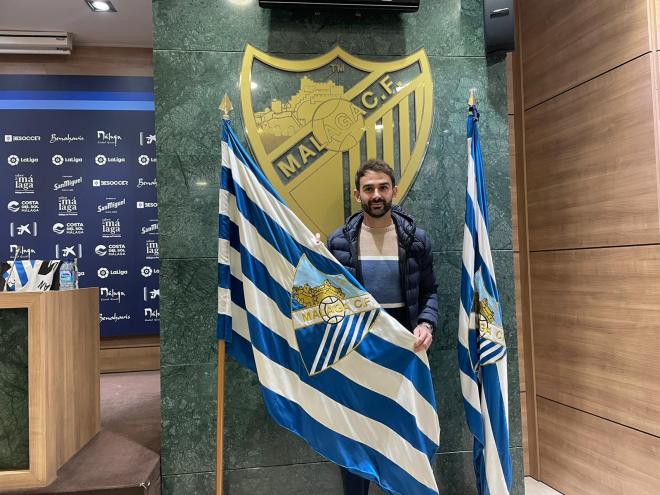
x=385, y=250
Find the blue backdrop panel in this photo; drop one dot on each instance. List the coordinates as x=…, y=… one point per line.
x=77, y=156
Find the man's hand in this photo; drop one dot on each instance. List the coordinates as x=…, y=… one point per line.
x=424, y=337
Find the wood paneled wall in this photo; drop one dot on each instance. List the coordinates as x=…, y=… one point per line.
x=84, y=60
x=586, y=179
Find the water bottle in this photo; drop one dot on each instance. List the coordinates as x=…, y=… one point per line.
x=75, y=273
x=67, y=275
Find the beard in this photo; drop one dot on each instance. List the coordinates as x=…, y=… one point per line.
x=368, y=208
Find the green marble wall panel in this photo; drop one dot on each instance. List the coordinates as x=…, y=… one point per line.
x=189, y=335
x=198, y=51
x=187, y=124
x=447, y=27
x=251, y=438
x=188, y=418
x=14, y=418
x=188, y=206
x=447, y=267
x=190, y=483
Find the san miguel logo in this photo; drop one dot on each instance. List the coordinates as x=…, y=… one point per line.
x=310, y=123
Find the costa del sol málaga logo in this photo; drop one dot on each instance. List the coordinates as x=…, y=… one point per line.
x=331, y=316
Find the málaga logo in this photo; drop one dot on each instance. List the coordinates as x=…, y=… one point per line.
x=310, y=123
x=330, y=315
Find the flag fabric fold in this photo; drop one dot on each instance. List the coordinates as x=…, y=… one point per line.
x=481, y=345
x=334, y=368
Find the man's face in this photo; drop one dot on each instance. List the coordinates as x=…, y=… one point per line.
x=376, y=193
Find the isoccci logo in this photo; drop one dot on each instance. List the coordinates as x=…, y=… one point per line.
x=11, y=138
x=101, y=182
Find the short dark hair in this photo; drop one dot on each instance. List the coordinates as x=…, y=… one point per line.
x=374, y=165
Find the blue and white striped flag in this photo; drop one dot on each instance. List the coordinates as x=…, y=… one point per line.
x=334, y=368
x=481, y=346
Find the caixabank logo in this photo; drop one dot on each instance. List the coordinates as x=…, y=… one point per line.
x=150, y=294
x=314, y=121
x=63, y=251
x=27, y=229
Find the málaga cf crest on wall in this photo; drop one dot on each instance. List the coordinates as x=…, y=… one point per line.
x=310, y=123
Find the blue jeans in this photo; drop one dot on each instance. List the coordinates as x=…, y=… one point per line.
x=353, y=484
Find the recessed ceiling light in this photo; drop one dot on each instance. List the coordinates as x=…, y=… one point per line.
x=101, y=5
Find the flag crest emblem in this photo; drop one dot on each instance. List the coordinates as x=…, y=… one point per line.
x=330, y=316
x=311, y=123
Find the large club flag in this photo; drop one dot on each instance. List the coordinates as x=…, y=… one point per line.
x=334, y=368
x=481, y=346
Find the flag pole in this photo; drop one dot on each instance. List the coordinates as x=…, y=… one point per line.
x=226, y=107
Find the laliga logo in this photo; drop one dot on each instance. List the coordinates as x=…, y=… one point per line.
x=146, y=271
x=103, y=272
x=143, y=160
x=57, y=159
x=13, y=160
x=101, y=159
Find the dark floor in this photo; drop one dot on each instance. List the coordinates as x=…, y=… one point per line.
x=124, y=458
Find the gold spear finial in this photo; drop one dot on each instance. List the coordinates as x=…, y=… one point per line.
x=472, y=99
x=226, y=106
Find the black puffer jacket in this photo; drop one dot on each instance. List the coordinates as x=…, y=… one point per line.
x=415, y=263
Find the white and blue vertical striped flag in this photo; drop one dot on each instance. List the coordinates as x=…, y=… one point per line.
x=481, y=346
x=334, y=368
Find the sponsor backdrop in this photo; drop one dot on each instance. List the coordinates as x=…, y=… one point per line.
x=77, y=156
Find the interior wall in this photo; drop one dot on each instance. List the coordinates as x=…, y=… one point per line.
x=117, y=354
x=198, y=52
x=589, y=192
